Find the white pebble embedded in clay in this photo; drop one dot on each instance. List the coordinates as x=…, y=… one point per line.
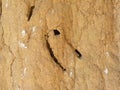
x=22, y=45
x=106, y=71
x=33, y=29
x=23, y=32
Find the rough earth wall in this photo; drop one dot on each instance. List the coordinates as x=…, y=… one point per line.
x=60, y=45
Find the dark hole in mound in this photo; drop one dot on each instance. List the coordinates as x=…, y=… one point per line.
x=78, y=53
x=30, y=12
x=56, y=32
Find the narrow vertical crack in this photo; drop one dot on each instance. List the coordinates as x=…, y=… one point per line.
x=53, y=56
x=30, y=12
x=12, y=62
x=13, y=59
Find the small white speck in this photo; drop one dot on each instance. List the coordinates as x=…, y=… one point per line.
x=33, y=29
x=22, y=45
x=106, y=71
x=71, y=73
x=107, y=53
x=6, y=5
x=23, y=32
x=25, y=70
x=23, y=74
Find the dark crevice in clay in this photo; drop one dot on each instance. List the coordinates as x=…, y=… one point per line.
x=30, y=12
x=56, y=32
x=53, y=56
x=79, y=55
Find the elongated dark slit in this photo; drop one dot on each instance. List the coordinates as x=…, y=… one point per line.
x=53, y=56
x=78, y=53
x=30, y=12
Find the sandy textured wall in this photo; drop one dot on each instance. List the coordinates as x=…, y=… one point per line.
x=60, y=45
